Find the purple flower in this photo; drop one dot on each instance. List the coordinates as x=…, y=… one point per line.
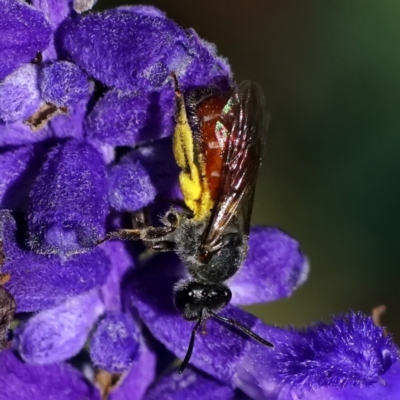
x=87, y=111
x=24, y=33
x=351, y=353
x=189, y=385
x=20, y=381
x=19, y=94
x=68, y=218
x=115, y=344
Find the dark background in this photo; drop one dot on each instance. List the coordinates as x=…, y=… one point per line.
x=331, y=75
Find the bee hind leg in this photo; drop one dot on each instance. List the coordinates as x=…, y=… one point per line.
x=152, y=235
x=121, y=234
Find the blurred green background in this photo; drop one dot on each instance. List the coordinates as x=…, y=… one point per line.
x=331, y=75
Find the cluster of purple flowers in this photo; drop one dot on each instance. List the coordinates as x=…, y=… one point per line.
x=87, y=111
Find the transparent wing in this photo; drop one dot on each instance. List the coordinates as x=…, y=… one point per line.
x=246, y=120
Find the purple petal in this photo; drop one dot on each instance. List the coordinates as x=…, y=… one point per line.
x=141, y=374
x=18, y=133
x=158, y=159
x=23, y=33
x=115, y=343
x=125, y=50
x=273, y=269
x=216, y=353
x=39, y=282
x=63, y=84
x=69, y=200
x=107, y=151
x=122, y=259
x=352, y=352
x=205, y=68
x=16, y=178
x=142, y=174
x=190, y=385
x=20, y=381
x=127, y=119
x=387, y=388
x=130, y=187
x=19, y=94
x=59, y=333
x=70, y=125
x=55, y=12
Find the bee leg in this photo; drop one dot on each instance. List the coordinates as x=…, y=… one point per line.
x=203, y=328
x=150, y=234
x=122, y=234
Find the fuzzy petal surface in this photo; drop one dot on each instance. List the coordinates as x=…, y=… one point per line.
x=19, y=94
x=134, y=383
x=18, y=133
x=160, y=47
x=69, y=200
x=205, y=67
x=24, y=32
x=55, y=11
x=158, y=160
x=388, y=388
x=131, y=188
x=190, y=385
x=122, y=260
x=274, y=268
x=40, y=282
x=19, y=167
x=59, y=333
x=115, y=343
x=63, y=84
x=127, y=119
x=70, y=125
x=122, y=49
x=351, y=353
x=21, y=381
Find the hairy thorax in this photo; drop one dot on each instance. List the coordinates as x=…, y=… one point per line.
x=219, y=265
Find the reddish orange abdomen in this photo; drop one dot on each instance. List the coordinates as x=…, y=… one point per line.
x=213, y=140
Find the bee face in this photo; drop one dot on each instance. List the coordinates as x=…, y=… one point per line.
x=195, y=298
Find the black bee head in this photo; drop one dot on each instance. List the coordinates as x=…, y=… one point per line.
x=198, y=301
x=194, y=298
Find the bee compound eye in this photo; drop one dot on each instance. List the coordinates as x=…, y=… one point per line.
x=172, y=218
x=204, y=292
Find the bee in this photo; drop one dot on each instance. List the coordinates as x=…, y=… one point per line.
x=218, y=144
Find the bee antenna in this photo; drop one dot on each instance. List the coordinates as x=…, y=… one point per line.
x=241, y=327
x=186, y=360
